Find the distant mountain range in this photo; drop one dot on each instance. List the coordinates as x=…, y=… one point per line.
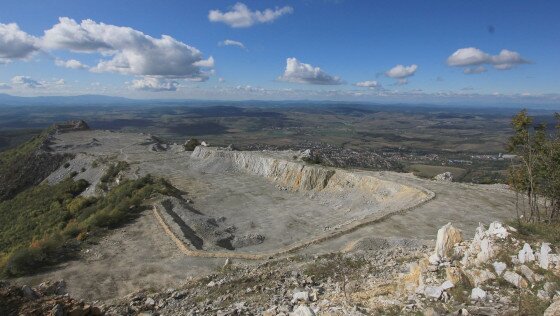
x=104, y=100
x=88, y=99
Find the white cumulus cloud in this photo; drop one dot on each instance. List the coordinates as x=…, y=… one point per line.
x=298, y=72
x=229, y=42
x=128, y=51
x=71, y=63
x=26, y=81
x=154, y=84
x=474, y=70
x=401, y=72
x=241, y=16
x=368, y=84
x=15, y=43
x=471, y=56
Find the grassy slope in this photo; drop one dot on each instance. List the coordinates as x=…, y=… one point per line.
x=26, y=165
x=38, y=225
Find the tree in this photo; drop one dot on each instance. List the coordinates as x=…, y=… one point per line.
x=535, y=173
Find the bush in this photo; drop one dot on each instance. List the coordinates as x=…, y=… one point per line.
x=113, y=171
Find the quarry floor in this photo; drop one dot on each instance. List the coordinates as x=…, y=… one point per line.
x=141, y=255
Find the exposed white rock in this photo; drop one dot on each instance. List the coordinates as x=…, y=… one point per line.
x=434, y=259
x=515, y=279
x=526, y=254
x=300, y=296
x=444, y=177
x=478, y=294
x=496, y=229
x=303, y=310
x=529, y=274
x=447, y=237
x=499, y=267
x=150, y=302
x=544, y=258
x=446, y=285
x=486, y=250
x=433, y=291
x=553, y=309
x=479, y=276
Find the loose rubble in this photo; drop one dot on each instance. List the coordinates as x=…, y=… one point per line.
x=494, y=273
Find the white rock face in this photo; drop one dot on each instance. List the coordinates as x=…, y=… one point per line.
x=499, y=267
x=544, y=258
x=515, y=279
x=481, y=249
x=447, y=237
x=478, y=294
x=486, y=250
x=526, y=254
x=297, y=176
x=496, y=229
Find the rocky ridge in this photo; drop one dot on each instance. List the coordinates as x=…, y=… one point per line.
x=495, y=273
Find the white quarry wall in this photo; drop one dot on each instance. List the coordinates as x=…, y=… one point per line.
x=298, y=176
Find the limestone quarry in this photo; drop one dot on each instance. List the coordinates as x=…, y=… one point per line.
x=259, y=209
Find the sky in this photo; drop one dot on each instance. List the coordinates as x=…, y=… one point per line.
x=381, y=51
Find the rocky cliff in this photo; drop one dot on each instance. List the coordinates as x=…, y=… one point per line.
x=296, y=175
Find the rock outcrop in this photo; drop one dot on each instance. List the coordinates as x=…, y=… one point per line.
x=444, y=177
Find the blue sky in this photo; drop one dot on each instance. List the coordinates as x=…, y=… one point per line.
x=340, y=50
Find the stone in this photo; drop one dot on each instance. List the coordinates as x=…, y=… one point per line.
x=478, y=294
x=178, y=295
x=463, y=311
x=150, y=302
x=57, y=310
x=515, y=279
x=454, y=275
x=433, y=291
x=486, y=250
x=496, y=229
x=553, y=309
x=478, y=277
x=544, y=259
x=53, y=288
x=447, y=237
x=227, y=263
x=300, y=296
x=543, y=295
x=526, y=254
x=499, y=267
x=527, y=273
x=446, y=285
x=434, y=259
x=303, y=310
x=413, y=279
x=444, y=177
x=29, y=293
x=550, y=287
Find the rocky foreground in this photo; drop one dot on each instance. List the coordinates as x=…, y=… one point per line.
x=496, y=273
